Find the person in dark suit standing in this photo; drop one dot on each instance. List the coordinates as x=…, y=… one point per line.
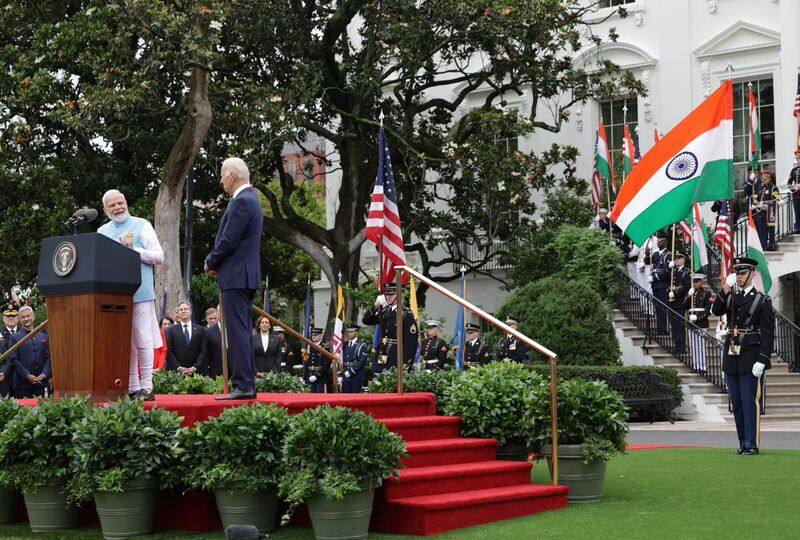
x=354, y=358
x=9, y=328
x=680, y=283
x=511, y=347
x=211, y=352
x=285, y=359
x=698, y=304
x=184, y=342
x=235, y=262
x=31, y=363
x=265, y=348
x=659, y=262
x=794, y=186
x=748, y=346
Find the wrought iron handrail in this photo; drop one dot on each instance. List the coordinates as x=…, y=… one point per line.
x=787, y=341
x=698, y=350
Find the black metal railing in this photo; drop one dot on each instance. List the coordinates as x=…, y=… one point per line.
x=664, y=327
x=787, y=341
x=784, y=223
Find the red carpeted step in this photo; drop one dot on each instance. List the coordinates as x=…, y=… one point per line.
x=457, y=477
x=433, y=514
x=449, y=451
x=418, y=428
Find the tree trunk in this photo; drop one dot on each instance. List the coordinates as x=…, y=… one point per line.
x=169, y=201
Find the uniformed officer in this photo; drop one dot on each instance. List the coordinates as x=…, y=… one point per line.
x=748, y=346
x=794, y=187
x=385, y=313
x=659, y=262
x=317, y=369
x=511, y=348
x=9, y=328
x=434, y=348
x=751, y=188
x=31, y=363
x=476, y=352
x=766, y=217
x=698, y=304
x=680, y=283
x=285, y=357
x=354, y=359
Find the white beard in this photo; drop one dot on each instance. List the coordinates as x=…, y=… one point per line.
x=122, y=218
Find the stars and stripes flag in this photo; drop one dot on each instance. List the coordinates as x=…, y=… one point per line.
x=796, y=112
x=686, y=233
x=597, y=188
x=383, y=221
x=723, y=237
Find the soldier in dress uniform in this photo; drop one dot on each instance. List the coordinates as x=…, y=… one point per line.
x=385, y=313
x=285, y=356
x=354, y=359
x=698, y=304
x=767, y=199
x=748, y=346
x=476, y=352
x=9, y=328
x=680, y=283
x=317, y=369
x=434, y=348
x=751, y=188
x=794, y=186
x=511, y=347
x=659, y=262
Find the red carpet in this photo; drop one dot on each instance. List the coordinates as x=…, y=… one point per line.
x=448, y=482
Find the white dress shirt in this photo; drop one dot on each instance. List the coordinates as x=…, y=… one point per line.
x=240, y=189
x=151, y=253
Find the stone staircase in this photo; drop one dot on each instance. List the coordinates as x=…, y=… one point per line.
x=702, y=400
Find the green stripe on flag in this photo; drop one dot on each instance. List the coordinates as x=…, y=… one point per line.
x=603, y=168
x=763, y=267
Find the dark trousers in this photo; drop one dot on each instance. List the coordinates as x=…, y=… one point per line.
x=354, y=384
x=318, y=388
x=237, y=305
x=796, y=208
x=742, y=392
x=677, y=325
x=760, y=220
x=661, y=313
x=770, y=237
x=29, y=391
x=379, y=368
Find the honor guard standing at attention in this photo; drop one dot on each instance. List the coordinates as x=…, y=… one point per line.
x=317, y=369
x=748, y=346
x=285, y=355
x=9, y=328
x=434, y=348
x=354, y=358
x=659, y=262
x=511, y=347
x=768, y=196
x=751, y=188
x=476, y=352
x=680, y=283
x=794, y=187
x=385, y=313
x=698, y=304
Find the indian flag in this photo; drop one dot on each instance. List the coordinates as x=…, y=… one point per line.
x=762, y=281
x=628, y=151
x=692, y=163
x=699, y=239
x=602, y=158
x=755, y=132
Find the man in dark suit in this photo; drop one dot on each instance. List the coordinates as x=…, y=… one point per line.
x=31, y=363
x=9, y=328
x=184, y=342
x=235, y=262
x=748, y=347
x=211, y=352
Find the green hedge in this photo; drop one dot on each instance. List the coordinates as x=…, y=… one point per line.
x=172, y=382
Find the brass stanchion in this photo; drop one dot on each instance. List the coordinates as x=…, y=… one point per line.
x=400, y=365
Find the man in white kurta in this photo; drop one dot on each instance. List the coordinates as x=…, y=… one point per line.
x=138, y=234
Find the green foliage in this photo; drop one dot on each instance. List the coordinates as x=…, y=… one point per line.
x=36, y=445
x=417, y=380
x=335, y=451
x=240, y=449
x=567, y=317
x=8, y=410
x=492, y=401
x=166, y=381
x=121, y=442
x=587, y=411
x=280, y=383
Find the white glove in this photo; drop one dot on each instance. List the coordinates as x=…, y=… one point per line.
x=671, y=264
x=691, y=291
x=380, y=301
x=640, y=267
x=730, y=281
x=671, y=295
x=312, y=379
x=752, y=175
x=340, y=381
x=758, y=369
x=692, y=318
x=649, y=279
x=347, y=374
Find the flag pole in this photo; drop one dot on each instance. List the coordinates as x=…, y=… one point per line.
x=624, y=143
x=694, y=225
x=399, y=300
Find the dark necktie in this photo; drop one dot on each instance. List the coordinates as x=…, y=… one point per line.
x=186, y=334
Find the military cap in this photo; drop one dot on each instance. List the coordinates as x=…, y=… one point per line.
x=698, y=277
x=317, y=331
x=472, y=327
x=662, y=236
x=509, y=320
x=278, y=329
x=680, y=255
x=744, y=263
x=10, y=312
x=352, y=328
x=390, y=288
x=432, y=323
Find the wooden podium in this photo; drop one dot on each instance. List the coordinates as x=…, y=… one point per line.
x=88, y=281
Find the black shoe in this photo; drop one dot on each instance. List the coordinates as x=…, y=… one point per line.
x=739, y=451
x=135, y=395
x=237, y=394
x=749, y=452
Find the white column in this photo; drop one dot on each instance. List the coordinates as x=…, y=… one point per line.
x=785, y=123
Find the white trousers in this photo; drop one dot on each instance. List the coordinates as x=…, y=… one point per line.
x=145, y=336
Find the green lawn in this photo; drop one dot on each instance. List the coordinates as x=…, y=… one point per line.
x=682, y=493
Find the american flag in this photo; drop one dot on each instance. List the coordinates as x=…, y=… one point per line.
x=383, y=221
x=686, y=233
x=797, y=110
x=723, y=236
x=596, y=191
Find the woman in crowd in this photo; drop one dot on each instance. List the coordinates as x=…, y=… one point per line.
x=265, y=347
x=160, y=354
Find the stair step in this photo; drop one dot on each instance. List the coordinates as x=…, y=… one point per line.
x=433, y=514
x=416, y=428
x=439, y=479
x=449, y=451
x=769, y=418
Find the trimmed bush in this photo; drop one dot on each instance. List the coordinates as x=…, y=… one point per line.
x=171, y=382
x=8, y=410
x=438, y=383
x=281, y=383
x=568, y=317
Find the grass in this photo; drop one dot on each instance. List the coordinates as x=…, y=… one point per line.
x=682, y=493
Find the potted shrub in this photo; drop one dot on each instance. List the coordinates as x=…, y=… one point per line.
x=8, y=491
x=35, y=453
x=492, y=401
x=417, y=380
x=121, y=451
x=238, y=455
x=592, y=428
x=335, y=458
x=280, y=383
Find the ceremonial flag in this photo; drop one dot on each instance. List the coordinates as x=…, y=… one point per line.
x=723, y=236
x=755, y=132
x=637, y=155
x=628, y=151
x=796, y=112
x=762, y=280
x=699, y=238
x=266, y=295
x=460, y=336
x=412, y=300
x=383, y=221
x=376, y=338
x=307, y=314
x=602, y=158
x=597, y=201
x=656, y=136
x=338, y=324
x=692, y=163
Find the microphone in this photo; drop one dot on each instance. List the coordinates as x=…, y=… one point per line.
x=83, y=215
